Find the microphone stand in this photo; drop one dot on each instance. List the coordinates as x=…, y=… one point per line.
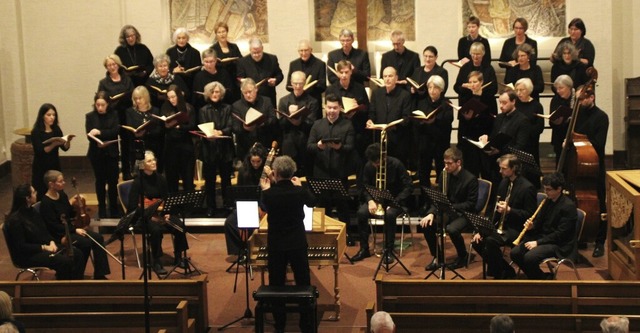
x=139, y=152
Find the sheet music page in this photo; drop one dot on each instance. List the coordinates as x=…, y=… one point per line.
x=248, y=216
x=308, y=218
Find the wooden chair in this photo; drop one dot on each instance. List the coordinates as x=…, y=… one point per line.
x=35, y=271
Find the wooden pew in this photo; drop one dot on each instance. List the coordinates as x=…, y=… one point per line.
x=121, y=322
x=110, y=296
x=450, y=305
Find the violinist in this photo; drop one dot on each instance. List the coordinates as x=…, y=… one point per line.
x=104, y=125
x=31, y=242
x=55, y=203
x=155, y=187
x=594, y=123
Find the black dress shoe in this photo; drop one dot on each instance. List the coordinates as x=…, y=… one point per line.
x=157, y=267
x=459, y=262
x=598, y=251
x=362, y=254
x=508, y=274
x=432, y=265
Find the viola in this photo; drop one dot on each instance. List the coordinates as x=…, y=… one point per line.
x=579, y=163
x=80, y=207
x=270, y=157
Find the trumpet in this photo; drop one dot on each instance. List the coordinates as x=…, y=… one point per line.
x=524, y=230
x=504, y=213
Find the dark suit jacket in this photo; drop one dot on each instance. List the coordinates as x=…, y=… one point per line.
x=268, y=67
x=522, y=203
x=556, y=224
x=284, y=204
x=109, y=127
x=357, y=57
x=516, y=125
x=330, y=163
x=462, y=191
x=315, y=68
x=404, y=63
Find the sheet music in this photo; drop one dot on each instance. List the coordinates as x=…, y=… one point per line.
x=248, y=216
x=308, y=218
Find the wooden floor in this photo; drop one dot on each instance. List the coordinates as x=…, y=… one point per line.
x=355, y=281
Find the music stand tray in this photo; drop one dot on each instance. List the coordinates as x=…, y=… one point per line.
x=527, y=159
x=385, y=198
x=178, y=204
x=443, y=205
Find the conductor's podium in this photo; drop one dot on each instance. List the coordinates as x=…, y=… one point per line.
x=327, y=243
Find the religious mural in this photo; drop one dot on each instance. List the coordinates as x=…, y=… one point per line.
x=246, y=18
x=383, y=17
x=546, y=18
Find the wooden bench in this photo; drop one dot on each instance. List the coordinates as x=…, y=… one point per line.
x=450, y=305
x=121, y=322
x=110, y=296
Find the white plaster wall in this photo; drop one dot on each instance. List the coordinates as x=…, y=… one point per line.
x=52, y=51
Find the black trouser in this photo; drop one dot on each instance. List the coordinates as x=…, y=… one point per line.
x=454, y=230
x=277, y=266
x=389, y=229
x=209, y=172
x=529, y=260
x=180, y=164
x=66, y=267
x=490, y=248
x=156, y=233
x=86, y=245
x=232, y=234
x=105, y=170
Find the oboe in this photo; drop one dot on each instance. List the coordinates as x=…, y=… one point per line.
x=524, y=230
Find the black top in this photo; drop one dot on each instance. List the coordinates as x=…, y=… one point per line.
x=438, y=132
x=330, y=163
x=153, y=133
x=188, y=57
x=358, y=58
x=304, y=100
x=488, y=93
x=268, y=67
x=234, y=51
x=216, y=150
x=510, y=46
x=398, y=180
x=556, y=224
x=112, y=88
x=155, y=81
x=315, y=68
x=576, y=70
x=387, y=107
x=534, y=73
x=354, y=90
x=136, y=55
x=585, y=48
x=594, y=123
x=109, y=127
x=522, y=203
x=154, y=186
x=27, y=233
x=18, y=324
x=404, y=63
x=464, y=44
x=559, y=132
x=420, y=76
x=41, y=159
x=284, y=203
x=178, y=136
x=462, y=191
x=264, y=133
x=202, y=78
x=50, y=210
x=535, y=123
x=516, y=125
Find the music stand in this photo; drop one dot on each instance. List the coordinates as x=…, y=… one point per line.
x=124, y=224
x=485, y=227
x=528, y=161
x=243, y=193
x=179, y=204
x=330, y=188
x=443, y=205
x=385, y=198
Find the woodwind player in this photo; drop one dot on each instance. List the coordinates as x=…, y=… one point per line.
x=513, y=214
x=551, y=233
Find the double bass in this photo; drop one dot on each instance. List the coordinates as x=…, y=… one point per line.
x=580, y=164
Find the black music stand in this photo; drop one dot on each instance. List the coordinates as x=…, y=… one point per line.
x=443, y=205
x=485, y=227
x=330, y=188
x=179, y=204
x=385, y=198
x=528, y=161
x=145, y=218
x=125, y=224
x=246, y=193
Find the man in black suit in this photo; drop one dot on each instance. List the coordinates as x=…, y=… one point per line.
x=313, y=68
x=398, y=183
x=401, y=58
x=286, y=238
x=517, y=204
x=551, y=233
x=358, y=58
x=462, y=190
x=259, y=66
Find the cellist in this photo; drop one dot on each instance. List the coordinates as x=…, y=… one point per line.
x=594, y=123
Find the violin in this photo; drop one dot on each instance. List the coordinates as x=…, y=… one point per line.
x=579, y=163
x=80, y=207
x=270, y=157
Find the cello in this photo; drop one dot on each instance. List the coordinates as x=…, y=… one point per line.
x=579, y=163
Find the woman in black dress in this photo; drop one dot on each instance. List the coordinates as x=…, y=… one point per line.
x=178, y=142
x=185, y=59
x=135, y=56
x=45, y=156
x=227, y=50
x=531, y=107
x=217, y=154
x=102, y=124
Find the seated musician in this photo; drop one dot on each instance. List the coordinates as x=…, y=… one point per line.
x=551, y=233
x=155, y=187
x=517, y=204
x=55, y=203
x=462, y=190
x=31, y=242
x=248, y=175
x=399, y=185
x=286, y=238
